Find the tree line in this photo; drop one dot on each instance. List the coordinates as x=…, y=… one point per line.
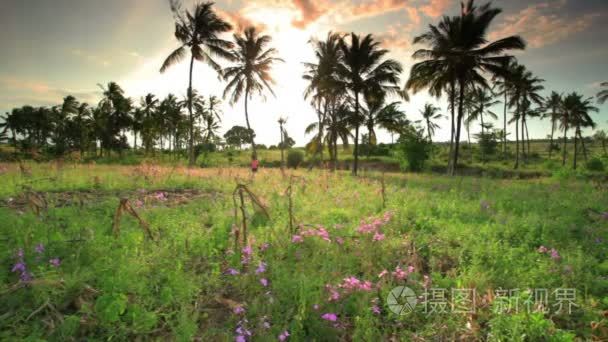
x=352, y=85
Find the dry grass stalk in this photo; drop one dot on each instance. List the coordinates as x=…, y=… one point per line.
x=125, y=207
x=240, y=191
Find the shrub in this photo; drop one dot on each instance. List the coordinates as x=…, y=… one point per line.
x=595, y=164
x=414, y=149
x=295, y=158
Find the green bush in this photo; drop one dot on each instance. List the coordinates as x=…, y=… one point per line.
x=595, y=164
x=414, y=149
x=295, y=158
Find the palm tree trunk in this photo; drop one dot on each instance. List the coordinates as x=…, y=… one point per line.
x=552, y=131
x=504, y=132
x=528, y=137
x=452, y=98
x=575, y=148
x=469, y=142
x=458, y=126
x=580, y=135
x=191, y=160
x=516, y=143
x=565, y=143
x=282, y=146
x=356, y=134
x=428, y=129
x=523, y=139
x=248, y=125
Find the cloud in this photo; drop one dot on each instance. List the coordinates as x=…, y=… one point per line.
x=435, y=8
x=91, y=58
x=17, y=92
x=377, y=7
x=310, y=11
x=540, y=26
x=238, y=20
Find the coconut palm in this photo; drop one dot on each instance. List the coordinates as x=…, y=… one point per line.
x=602, y=95
x=149, y=107
x=553, y=103
x=282, y=122
x=580, y=118
x=601, y=136
x=251, y=73
x=12, y=122
x=199, y=31
x=459, y=55
x=504, y=88
x=323, y=85
x=363, y=68
x=430, y=113
x=481, y=101
x=379, y=113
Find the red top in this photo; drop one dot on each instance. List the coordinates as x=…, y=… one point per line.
x=254, y=164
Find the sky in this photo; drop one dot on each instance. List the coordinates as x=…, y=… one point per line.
x=54, y=48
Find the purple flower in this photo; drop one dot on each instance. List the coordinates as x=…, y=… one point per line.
x=376, y=310
x=232, y=271
x=19, y=267
x=25, y=277
x=264, y=282
x=284, y=335
x=240, y=338
x=55, y=262
x=264, y=246
x=239, y=310
x=554, y=254
x=261, y=268
x=20, y=253
x=247, y=250
x=296, y=239
x=39, y=248
x=332, y=317
x=266, y=325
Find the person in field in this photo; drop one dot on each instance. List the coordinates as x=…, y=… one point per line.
x=254, y=163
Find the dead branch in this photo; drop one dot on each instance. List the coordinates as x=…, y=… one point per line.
x=125, y=207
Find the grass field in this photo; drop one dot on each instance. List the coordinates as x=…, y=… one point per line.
x=67, y=274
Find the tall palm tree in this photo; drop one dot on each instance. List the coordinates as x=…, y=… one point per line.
x=323, y=87
x=138, y=125
x=459, y=54
x=282, y=122
x=199, y=31
x=83, y=123
x=149, y=107
x=363, y=69
x=251, y=73
x=580, y=118
x=602, y=95
x=553, y=103
x=482, y=100
x=505, y=88
x=12, y=122
x=430, y=113
x=378, y=112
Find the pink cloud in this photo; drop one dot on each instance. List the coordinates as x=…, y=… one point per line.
x=376, y=7
x=238, y=21
x=435, y=8
x=309, y=10
x=539, y=27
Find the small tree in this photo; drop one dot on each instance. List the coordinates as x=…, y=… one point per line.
x=239, y=135
x=414, y=149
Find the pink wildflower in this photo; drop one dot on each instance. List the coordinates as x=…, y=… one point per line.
x=542, y=249
x=554, y=254
x=284, y=335
x=239, y=310
x=339, y=241
x=332, y=317
x=378, y=236
x=410, y=269
x=296, y=239
x=264, y=282
x=261, y=268
x=399, y=273
x=383, y=273
x=366, y=286
x=376, y=309
x=55, y=262
x=232, y=271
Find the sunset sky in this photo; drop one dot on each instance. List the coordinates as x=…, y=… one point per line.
x=54, y=48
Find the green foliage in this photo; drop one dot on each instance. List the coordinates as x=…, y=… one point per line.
x=595, y=164
x=414, y=149
x=295, y=158
x=238, y=136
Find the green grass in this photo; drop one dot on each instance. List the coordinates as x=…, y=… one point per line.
x=463, y=232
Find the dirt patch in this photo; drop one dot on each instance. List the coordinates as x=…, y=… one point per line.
x=139, y=198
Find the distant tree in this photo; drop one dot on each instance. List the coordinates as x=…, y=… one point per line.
x=429, y=114
x=251, y=73
x=115, y=110
x=575, y=114
x=362, y=69
x=198, y=31
x=553, y=104
x=149, y=107
x=239, y=135
x=601, y=136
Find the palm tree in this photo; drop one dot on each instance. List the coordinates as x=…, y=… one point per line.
x=482, y=100
x=149, y=107
x=459, y=53
x=282, y=122
x=602, y=137
x=363, y=69
x=602, y=96
x=83, y=122
x=552, y=103
x=323, y=84
x=379, y=113
x=251, y=74
x=12, y=122
x=582, y=119
x=430, y=113
x=137, y=125
x=505, y=88
x=198, y=31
